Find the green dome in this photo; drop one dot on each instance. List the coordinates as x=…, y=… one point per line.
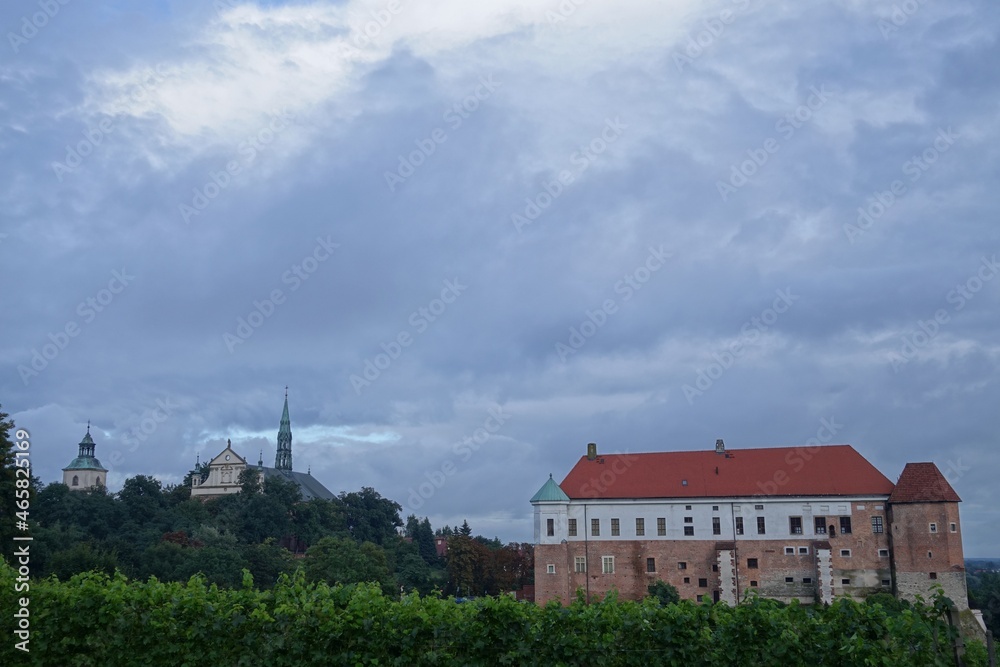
x=85, y=463
x=550, y=493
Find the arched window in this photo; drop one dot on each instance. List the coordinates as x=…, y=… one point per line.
x=76, y=481
x=98, y=480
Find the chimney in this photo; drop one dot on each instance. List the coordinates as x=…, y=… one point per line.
x=720, y=447
x=591, y=451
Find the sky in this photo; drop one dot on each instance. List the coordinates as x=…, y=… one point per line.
x=471, y=238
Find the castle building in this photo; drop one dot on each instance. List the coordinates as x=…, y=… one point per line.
x=223, y=474
x=804, y=523
x=85, y=472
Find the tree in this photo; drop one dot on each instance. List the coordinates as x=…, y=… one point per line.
x=370, y=517
x=465, y=531
x=664, y=592
x=342, y=561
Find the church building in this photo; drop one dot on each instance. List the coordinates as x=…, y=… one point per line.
x=224, y=470
x=85, y=472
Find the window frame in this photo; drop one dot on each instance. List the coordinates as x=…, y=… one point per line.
x=605, y=560
x=550, y=527
x=571, y=527
x=616, y=527
x=595, y=527
x=640, y=527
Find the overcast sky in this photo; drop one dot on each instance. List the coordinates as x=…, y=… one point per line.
x=472, y=237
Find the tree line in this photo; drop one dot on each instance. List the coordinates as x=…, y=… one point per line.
x=151, y=530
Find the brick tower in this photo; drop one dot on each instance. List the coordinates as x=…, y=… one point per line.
x=926, y=535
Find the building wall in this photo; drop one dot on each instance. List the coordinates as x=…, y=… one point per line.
x=86, y=479
x=923, y=558
x=857, y=563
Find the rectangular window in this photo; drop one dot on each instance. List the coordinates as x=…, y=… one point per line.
x=789, y=551
x=753, y=583
x=640, y=527
x=608, y=564
x=595, y=527
x=751, y=563
x=682, y=565
x=689, y=531
x=789, y=580
x=739, y=525
x=845, y=582
x=687, y=580
x=887, y=582
x=703, y=583
x=933, y=527
x=795, y=525
x=883, y=553
x=760, y=526
x=716, y=526
x=550, y=527
x=758, y=507
x=807, y=580
x=650, y=565
x=933, y=575
x=615, y=528
x=698, y=598
x=715, y=567
x=661, y=526
x=845, y=525
x=877, y=526
x=819, y=525
x=580, y=564
x=953, y=527
x=550, y=568
x=715, y=596
x=715, y=508
x=845, y=553
x=571, y=524
x=687, y=507
x=803, y=551
x=688, y=519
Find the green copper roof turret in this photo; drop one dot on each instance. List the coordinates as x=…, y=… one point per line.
x=550, y=493
x=283, y=458
x=85, y=459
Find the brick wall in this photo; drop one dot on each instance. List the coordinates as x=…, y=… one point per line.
x=923, y=559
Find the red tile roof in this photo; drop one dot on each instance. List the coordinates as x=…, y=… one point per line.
x=830, y=470
x=923, y=483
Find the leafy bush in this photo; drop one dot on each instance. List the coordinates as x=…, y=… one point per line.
x=94, y=619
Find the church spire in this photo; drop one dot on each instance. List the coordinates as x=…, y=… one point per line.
x=283, y=459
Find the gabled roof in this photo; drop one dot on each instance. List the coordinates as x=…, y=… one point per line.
x=233, y=459
x=830, y=470
x=923, y=483
x=309, y=486
x=550, y=492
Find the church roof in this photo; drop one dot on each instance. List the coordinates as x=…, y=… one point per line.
x=310, y=487
x=550, y=492
x=85, y=463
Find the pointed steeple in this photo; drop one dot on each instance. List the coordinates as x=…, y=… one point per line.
x=283, y=458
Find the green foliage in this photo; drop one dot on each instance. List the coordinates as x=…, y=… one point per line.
x=8, y=484
x=343, y=561
x=94, y=619
x=664, y=592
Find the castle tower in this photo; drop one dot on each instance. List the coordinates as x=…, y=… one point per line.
x=283, y=458
x=85, y=472
x=926, y=535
